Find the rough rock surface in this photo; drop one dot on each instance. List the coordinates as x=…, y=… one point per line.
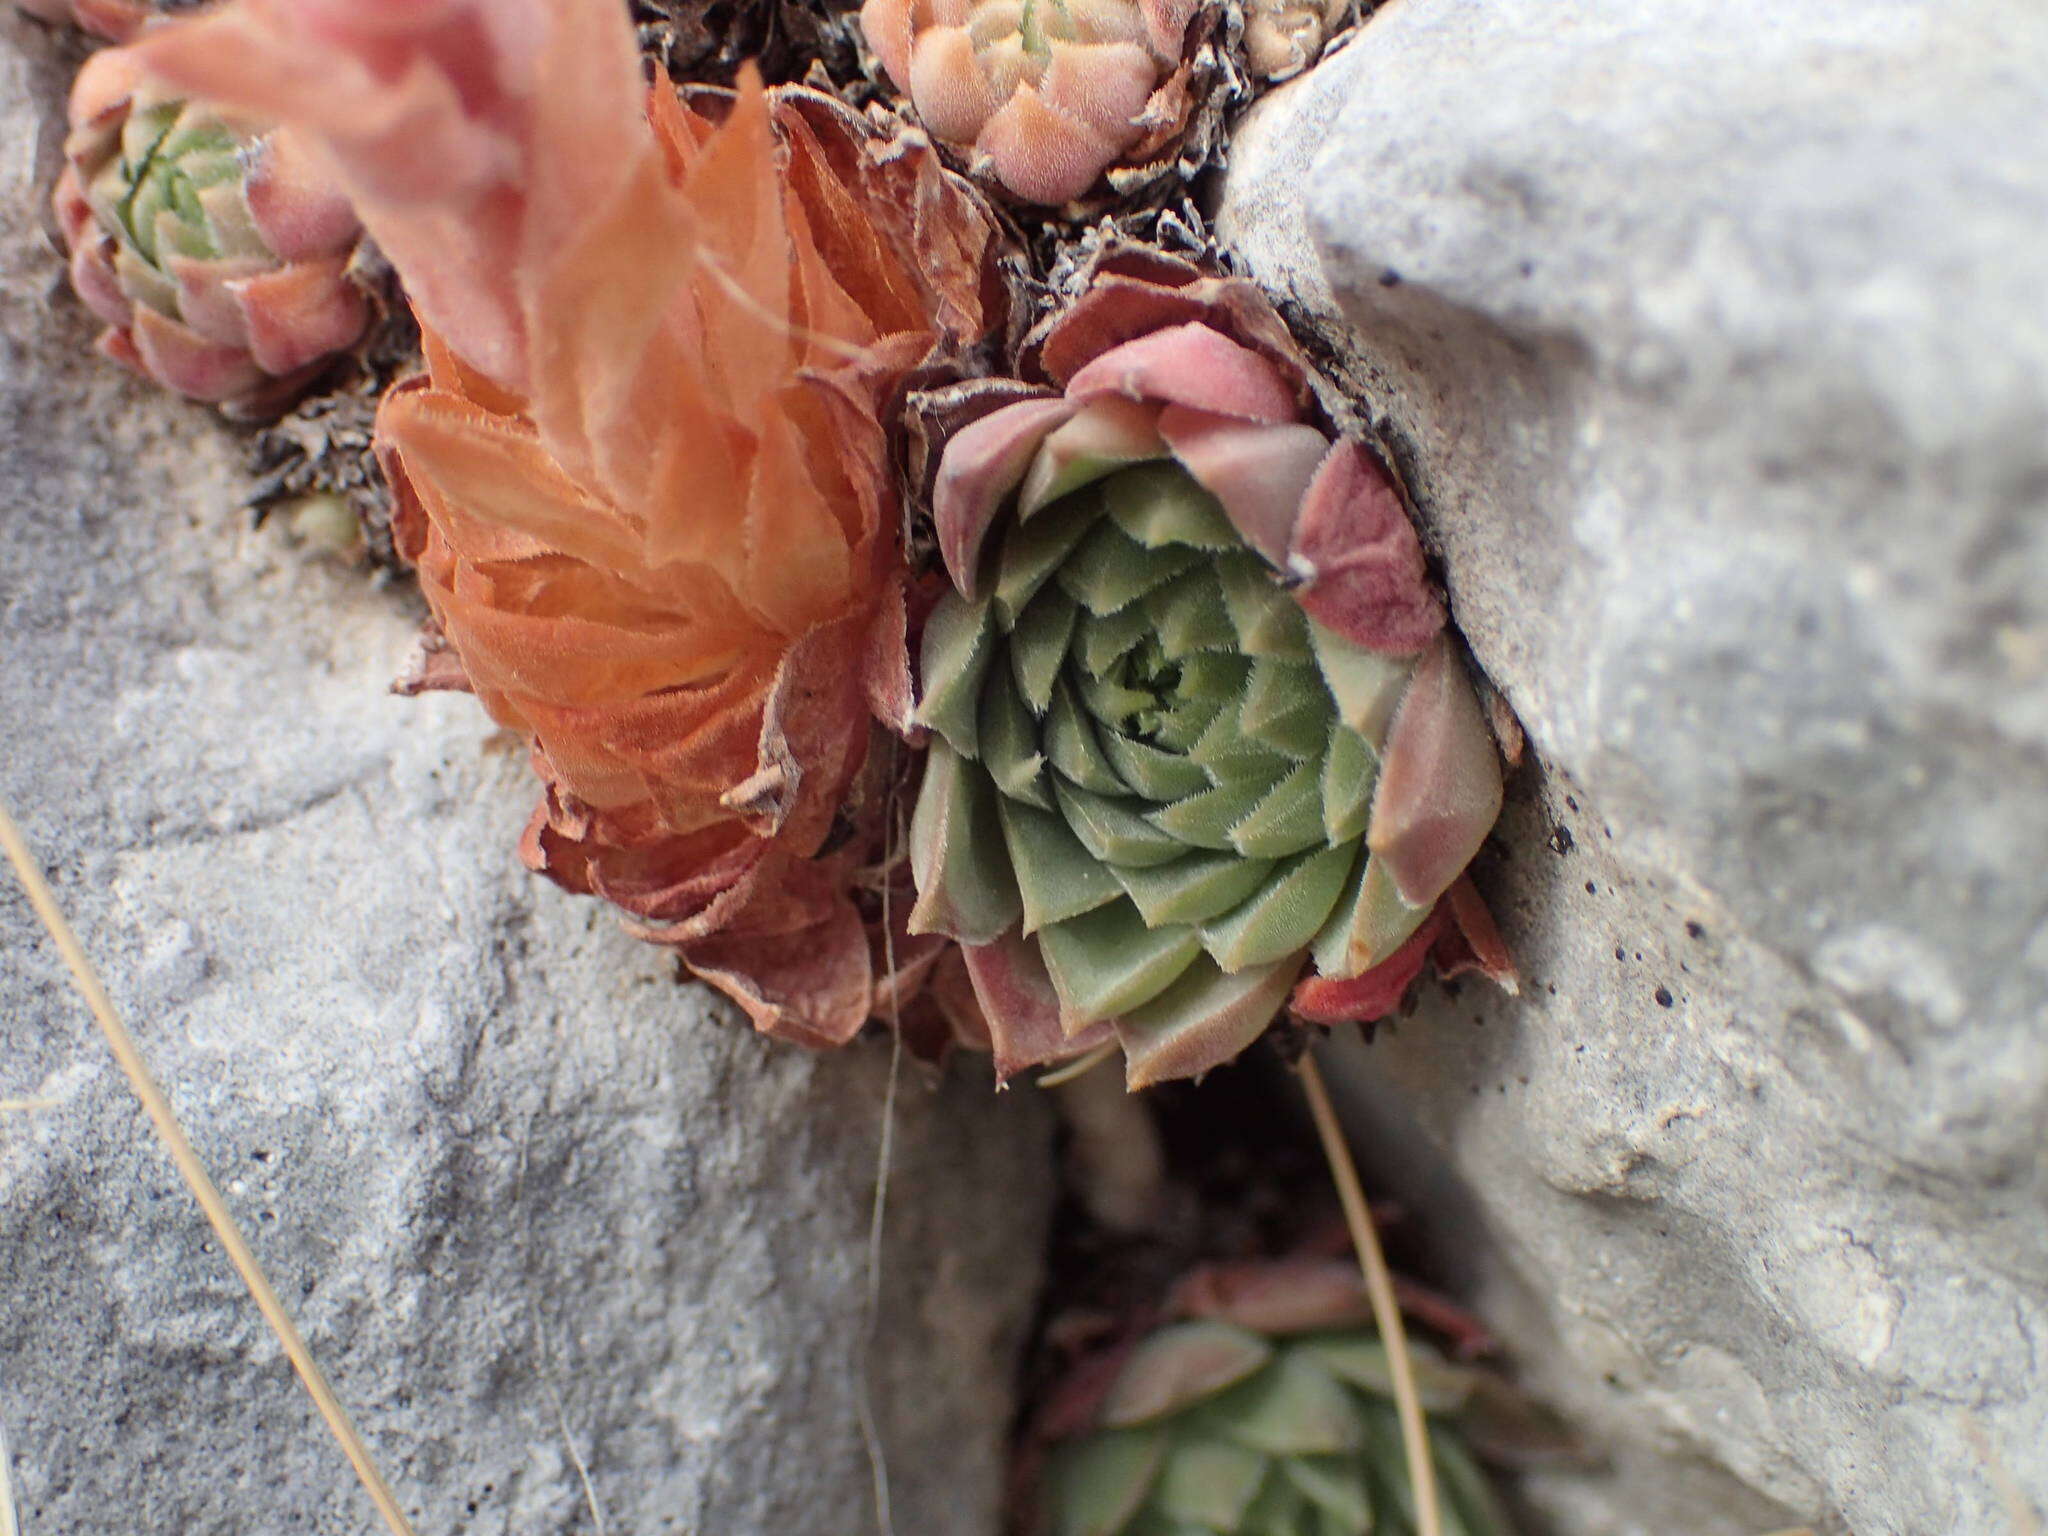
x=565, y=1233
x=1716, y=341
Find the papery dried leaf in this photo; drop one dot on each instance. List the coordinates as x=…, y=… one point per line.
x=648, y=485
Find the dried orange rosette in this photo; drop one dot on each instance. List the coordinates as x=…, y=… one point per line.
x=646, y=479
x=1202, y=747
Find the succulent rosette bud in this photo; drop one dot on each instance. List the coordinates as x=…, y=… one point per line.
x=115, y=21
x=1042, y=95
x=1269, y=1412
x=1284, y=37
x=1196, y=725
x=212, y=246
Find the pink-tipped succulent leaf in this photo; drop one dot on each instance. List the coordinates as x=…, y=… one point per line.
x=1042, y=95
x=1197, y=732
x=214, y=249
x=1218, y=1424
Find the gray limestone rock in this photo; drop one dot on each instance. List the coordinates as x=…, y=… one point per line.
x=1715, y=341
x=566, y=1234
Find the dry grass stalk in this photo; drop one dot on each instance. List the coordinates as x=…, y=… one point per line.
x=161, y=1115
x=1386, y=1310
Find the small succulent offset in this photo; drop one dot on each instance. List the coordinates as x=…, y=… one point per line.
x=1196, y=725
x=1284, y=37
x=1273, y=1416
x=1042, y=95
x=213, y=248
x=114, y=21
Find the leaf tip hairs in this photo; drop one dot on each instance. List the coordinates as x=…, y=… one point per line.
x=126, y=1054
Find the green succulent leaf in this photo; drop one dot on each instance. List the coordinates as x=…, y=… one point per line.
x=1173, y=769
x=1097, y=1486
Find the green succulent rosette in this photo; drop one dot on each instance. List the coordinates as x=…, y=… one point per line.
x=1197, y=732
x=1227, y=1426
x=215, y=251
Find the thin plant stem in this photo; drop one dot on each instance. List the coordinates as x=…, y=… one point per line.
x=1379, y=1287
x=161, y=1115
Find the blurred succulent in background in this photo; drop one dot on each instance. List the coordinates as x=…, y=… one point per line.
x=115, y=21
x=1042, y=95
x=1264, y=1408
x=1284, y=37
x=646, y=480
x=210, y=243
x=1196, y=725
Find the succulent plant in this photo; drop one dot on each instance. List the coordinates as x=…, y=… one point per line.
x=646, y=479
x=1042, y=95
x=217, y=255
x=115, y=21
x=1284, y=37
x=1281, y=1425
x=1196, y=725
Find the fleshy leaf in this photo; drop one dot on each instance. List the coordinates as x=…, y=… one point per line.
x=1283, y=915
x=1289, y=1409
x=1038, y=647
x=1203, y=1020
x=1099, y=1484
x=959, y=641
x=1288, y=819
x=1107, y=436
x=1108, y=962
x=1195, y=887
x=1268, y=622
x=1439, y=790
x=1158, y=505
x=1054, y=875
x=965, y=886
x=1113, y=832
x=1179, y=1366
x=1208, y=1484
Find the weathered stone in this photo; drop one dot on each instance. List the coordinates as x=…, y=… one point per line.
x=542, y=1211
x=1716, y=342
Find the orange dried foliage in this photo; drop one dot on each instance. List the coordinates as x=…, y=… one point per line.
x=646, y=480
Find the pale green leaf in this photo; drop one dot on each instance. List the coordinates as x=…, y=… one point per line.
x=1109, y=570
x=1292, y=1408
x=1038, y=647
x=1349, y=771
x=1188, y=615
x=1283, y=915
x=1289, y=819
x=1010, y=742
x=1056, y=877
x=959, y=641
x=1286, y=707
x=1099, y=642
x=1033, y=550
x=1206, y=820
x=1269, y=622
x=1369, y=923
x=965, y=887
x=1341, y=1486
x=1195, y=887
x=1073, y=747
x=1366, y=684
x=1113, y=830
x=1202, y=1020
x=1208, y=1484
x=1107, y=962
x=1150, y=772
x=1179, y=1365
x=1095, y=1486
x=1161, y=504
